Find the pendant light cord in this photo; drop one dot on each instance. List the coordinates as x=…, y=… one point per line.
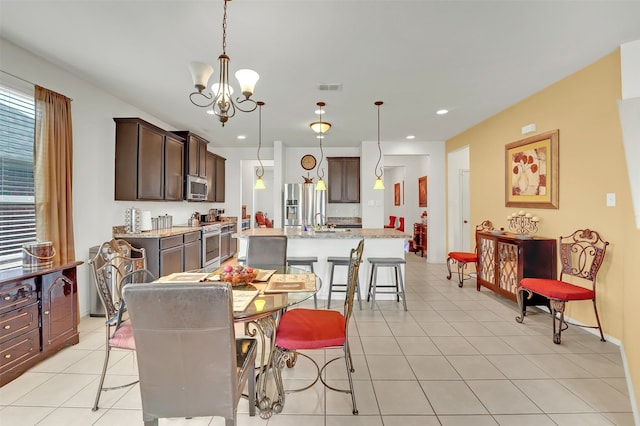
x=378, y=103
x=320, y=171
x=260, y=104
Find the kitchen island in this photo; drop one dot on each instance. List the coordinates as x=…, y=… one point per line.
x=337, y=242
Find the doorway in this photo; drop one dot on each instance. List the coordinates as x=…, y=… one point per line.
x=459, y=206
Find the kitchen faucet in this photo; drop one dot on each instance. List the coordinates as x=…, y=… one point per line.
x=322, y=218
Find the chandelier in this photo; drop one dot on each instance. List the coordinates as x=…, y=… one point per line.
x=259, y=174
x=220, y=98
x=320, y=127
x=378, y=184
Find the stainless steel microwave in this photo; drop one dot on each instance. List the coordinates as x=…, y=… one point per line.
x=197, y=188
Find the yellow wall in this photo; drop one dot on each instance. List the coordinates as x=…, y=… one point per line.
x=584, y=108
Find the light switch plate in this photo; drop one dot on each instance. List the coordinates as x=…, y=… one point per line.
x=611, y=199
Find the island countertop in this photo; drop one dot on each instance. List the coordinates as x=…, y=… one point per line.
x=342, y=233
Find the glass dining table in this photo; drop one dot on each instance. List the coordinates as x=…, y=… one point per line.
x=263, y=303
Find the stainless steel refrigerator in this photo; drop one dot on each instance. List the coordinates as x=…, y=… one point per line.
x=303, y=205
x=292, y=213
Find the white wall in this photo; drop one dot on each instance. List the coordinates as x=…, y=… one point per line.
x=373, y=213
x=93, y=109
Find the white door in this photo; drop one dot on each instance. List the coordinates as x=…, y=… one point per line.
x=465, y=226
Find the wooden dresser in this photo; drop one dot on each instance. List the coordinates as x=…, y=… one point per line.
x=38, y=316
x=419, y=238
x=504, y=259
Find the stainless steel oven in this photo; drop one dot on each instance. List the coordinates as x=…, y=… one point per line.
x=210, y=247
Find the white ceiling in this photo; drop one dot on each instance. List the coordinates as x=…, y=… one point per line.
x=474, y=58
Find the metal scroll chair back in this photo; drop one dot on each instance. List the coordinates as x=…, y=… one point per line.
x=355, y=259
x=189, y=360
x=267, y=251
x=116, y=264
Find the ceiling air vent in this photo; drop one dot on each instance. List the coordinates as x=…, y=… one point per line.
x=330, y=87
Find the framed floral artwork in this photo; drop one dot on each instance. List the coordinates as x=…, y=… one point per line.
x=422, y=191
x=532, y=172
x=396, y=194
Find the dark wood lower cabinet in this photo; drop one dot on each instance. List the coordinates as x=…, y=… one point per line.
x=38, y=316
x=506, y=259
x=166, y=255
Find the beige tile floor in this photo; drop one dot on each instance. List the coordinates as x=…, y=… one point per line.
x=457, y=357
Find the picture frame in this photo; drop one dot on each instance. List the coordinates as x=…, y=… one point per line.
x=422, y=191
x=396, y=194
x=532, y=172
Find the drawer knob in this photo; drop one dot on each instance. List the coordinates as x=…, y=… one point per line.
x=7, y=356
x=7, y=327
x=7, y=298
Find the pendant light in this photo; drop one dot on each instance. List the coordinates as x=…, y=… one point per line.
x=259, y=174
x=379, y=184
x=320, y=127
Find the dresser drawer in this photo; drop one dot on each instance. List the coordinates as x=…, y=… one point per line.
x=18, y=350
x=18, y=321
x=18, y=294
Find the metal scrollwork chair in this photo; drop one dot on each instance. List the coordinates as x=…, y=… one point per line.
x=189, y=360
x=301, y=329
x=581, y=255
x=117, y=264
x=461, y=258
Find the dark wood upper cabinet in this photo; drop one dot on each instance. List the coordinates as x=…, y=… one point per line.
x=210, y=160
x=195, y=153
x=220, y=179
x=173, y=169
x=343, y=181
x=149, y=162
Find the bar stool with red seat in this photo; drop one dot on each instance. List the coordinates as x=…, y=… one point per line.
x=461, y=258
x=581, y=255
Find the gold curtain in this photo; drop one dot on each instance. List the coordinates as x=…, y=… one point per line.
x=53, y=169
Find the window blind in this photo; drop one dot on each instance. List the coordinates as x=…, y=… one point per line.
x=17, y=211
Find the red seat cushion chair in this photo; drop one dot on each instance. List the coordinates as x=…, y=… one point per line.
x=462, y=258
x=581, y=255
x=307, y=329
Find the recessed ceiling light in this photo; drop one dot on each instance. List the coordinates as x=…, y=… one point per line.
x=319, y=111
x=411, y=137
x=242, y=137
x=442, y=111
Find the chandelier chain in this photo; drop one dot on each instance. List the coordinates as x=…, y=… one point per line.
x=224, y=29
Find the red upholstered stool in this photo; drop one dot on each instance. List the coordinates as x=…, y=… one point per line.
x=319, y=329
x=581, y=255
x=462, y=258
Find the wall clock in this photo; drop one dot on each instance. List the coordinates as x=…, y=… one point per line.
x=308, y=162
